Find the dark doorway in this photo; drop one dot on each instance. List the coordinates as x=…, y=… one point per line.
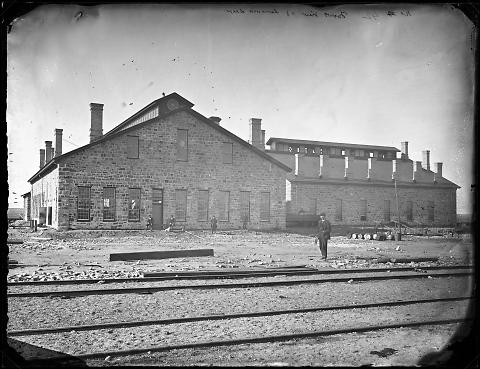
x=42, y=216
x=49, y=215
x=157, y=208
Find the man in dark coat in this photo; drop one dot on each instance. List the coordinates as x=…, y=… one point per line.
x=323, y=234
x=213, y=223
x=171, y=223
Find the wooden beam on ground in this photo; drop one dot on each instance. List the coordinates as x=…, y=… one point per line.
x=14, y=242
x=142, y=255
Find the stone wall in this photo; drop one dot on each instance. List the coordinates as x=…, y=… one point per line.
x=327, y=195
x=105, y=164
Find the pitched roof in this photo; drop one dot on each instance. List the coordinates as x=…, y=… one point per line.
x=332, y=144
x=132, y=122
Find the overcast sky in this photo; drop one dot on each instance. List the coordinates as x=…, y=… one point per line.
x=361, y=74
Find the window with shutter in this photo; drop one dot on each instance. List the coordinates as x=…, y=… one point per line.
x=363, y=209
x=245, y=205
x=223, y=206
x=132, y=147
x=182, y=145
x=265, y=206
x=386, y=210
x=203, y=205
x=338, y=209
x=181, y=205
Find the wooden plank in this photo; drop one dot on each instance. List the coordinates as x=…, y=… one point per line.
x=14, y=242
x=142, y=255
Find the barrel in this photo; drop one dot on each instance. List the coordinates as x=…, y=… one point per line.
x=367, y=236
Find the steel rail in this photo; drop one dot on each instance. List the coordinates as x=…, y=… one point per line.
x=253, y=340
x=40, y=331
x=181, y=275
x=110, y=291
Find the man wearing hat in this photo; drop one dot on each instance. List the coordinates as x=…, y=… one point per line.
x=323, y=234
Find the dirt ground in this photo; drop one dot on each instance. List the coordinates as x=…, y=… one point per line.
x=50, y=255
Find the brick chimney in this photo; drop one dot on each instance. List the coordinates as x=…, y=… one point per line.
x=297, y=164
x=426, y=159
x=42, y=158
x=404, y=154
x=58, y=141
x=256, y=133
x=369, y=168
x=215, y=120
x=417, y=165
x=48, y=151
x=96, y=121
x=438, y=171
x=346, y=173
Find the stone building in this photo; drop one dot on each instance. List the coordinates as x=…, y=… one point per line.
x=362, y=184
x=167, y=159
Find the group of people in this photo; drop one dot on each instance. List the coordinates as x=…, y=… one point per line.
x=171, y=223
x=322, y=236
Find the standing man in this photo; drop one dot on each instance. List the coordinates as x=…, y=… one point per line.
x=213, y=223
x=171, y=223
x=323, y=234
x=245, y=221
x=150, y=223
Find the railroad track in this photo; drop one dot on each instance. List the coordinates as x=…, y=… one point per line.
x=348, y=324
x=77, y=328
x=153, y=289
x=232, y=274
x=268, y=339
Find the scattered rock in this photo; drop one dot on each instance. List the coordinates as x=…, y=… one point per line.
x=385, y=352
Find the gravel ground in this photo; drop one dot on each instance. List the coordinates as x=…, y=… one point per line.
x=86, y=253
x=339, y=350
x=25, y=313
x=150, y=336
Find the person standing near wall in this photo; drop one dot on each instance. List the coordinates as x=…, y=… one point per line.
x=323, y=234
x=171, y=222
x=149, y=223
x=213, y=223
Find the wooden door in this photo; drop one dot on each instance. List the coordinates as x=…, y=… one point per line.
x=157, y=208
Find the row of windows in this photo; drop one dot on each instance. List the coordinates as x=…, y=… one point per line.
x=133, y=150
x=223, y=204
x=334, y=151
x=408, y=212
x=109, y=204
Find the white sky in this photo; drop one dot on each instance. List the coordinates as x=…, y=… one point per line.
x=365, y=77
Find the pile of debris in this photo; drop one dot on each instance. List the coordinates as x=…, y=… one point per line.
x=67, y=273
